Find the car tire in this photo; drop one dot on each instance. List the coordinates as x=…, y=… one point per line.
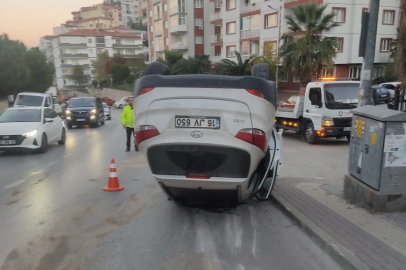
x=310, y=134
x=348, y=137
x=102, y=122
x=157, y=68
x=63, y=137
x=96, y=124
x=44, y=144
x=69, y=125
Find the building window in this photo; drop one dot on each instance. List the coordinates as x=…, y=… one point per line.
x=90, y=51
x=379, y=71
x=388, y=17
x=328, y=72
x=150, y=12
x=230, y=4
x=230, y=28
x=230, y=51
x=339, y=15
x=199, y=22
x=130, y=51
x=165, y=7
x=271, y=20
x=198, y=3
x=386, y=45
x=100, y=40
x=64, y=82
x=89, y=40
x=118, y=41
x=340, y=42
x=198, y=39
x=355, y=72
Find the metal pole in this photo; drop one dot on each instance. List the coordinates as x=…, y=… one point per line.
x=368, y=63
x=279, y=41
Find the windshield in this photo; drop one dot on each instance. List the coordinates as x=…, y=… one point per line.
x=85, y=102
x=28, y=100
x=341, y=95
x=21, y=116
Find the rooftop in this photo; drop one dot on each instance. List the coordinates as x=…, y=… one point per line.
x=98, y=33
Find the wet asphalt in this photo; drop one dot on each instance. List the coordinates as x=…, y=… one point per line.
x=54, y=215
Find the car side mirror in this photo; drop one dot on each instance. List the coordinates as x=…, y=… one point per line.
x=48, y=120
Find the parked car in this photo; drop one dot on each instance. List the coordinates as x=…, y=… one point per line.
x=84, y=111
x=121, y=103
x=107, y=113
x=25, y=99
x=291, y=102
x=30, y=128
x=208, y=136
x=380, y=94
x=108, y=101
x=391, y=86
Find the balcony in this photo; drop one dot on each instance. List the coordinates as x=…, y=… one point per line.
x=156, y=2
x=178, y=30
x=293, y=3
x=72, y=65
x=77, y=55
x=216, y=38
x=252, y=33
x=159, y=48
x=215, y=16
x=215, y=59
x=132, y=46
x=179, y=47
x=72, y=45
x=251, y=7
x=158, y=32
x=157, y=17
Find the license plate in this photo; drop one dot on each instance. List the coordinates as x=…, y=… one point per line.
x=384, y=95
x=7, y=142
x=197, y=122
x=80, y=120
x=347, y=129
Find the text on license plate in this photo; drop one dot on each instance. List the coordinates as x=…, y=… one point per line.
x=198, y=122
x=347, y=129
x=80, y=120
x=6, y=142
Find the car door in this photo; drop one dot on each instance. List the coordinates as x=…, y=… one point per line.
x=314, y=111
x=50, y=127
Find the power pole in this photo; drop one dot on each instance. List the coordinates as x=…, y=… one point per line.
x=368, y=63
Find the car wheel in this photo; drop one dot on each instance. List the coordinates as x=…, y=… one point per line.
x=310, y=134
x=96, y=124
x=348, y=137
x=44, y=144
x=157, y=68
x=69, y=125
x=102, y=122
x=63, y=137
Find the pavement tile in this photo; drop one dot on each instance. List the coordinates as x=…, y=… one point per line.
x=362, y=234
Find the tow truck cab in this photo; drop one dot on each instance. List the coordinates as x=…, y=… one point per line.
x=323, y=110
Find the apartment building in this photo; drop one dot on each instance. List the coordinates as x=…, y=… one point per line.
x=130, y=11
x=247, y=26
x=175, y=25
x=81, y=47
x=101, y=16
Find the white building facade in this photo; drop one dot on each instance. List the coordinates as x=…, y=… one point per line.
x=130, y=12
x=81, y=47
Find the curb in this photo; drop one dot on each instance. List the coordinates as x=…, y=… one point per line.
x=341, y=255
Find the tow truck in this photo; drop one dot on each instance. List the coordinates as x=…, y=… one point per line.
x=322, y=110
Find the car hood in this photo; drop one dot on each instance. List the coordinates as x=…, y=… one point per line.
x=18, y=128
x=76, y=109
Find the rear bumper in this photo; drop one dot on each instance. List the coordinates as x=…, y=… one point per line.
x=336, y=131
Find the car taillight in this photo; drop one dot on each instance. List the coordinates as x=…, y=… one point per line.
x=145, y=90
x=255, y=93
x=144, y=133
x=253, y=136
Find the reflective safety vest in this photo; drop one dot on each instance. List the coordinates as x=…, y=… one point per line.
x=127, y=117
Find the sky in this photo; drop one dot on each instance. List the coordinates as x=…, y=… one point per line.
x=28, y=20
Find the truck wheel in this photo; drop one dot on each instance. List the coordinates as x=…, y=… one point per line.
x=348, y=137
x=310, y=134
x=157, y=68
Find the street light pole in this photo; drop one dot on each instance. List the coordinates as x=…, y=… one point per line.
x=279, y=41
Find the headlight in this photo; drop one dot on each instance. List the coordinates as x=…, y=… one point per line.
x=67, y=112
x=93, y=111
x=31, y=133
x=327, y=122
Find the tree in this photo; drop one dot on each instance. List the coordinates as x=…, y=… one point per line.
x=77, y=74
x=119, y=72
x=239, y=68
x=14, y=74
x=100, y=70
x=199, y=64
x=267, y=57
x=137, y=26
x=306, y=51
x=41, y=72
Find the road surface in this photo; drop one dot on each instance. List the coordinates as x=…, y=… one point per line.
x=54, y=215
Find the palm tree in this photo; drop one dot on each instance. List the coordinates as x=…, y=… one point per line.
x=306, y=51
x=239, y=68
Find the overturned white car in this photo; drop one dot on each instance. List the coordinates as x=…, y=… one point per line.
x=208, y=136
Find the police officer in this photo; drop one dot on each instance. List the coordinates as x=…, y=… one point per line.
x=127, y=119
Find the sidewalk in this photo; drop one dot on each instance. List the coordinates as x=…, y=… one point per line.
x=351, y=235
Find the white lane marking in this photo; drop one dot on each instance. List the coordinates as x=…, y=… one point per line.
x=37, y=172
x=14, y=184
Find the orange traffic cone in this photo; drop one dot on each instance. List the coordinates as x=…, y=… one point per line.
x=113, y=184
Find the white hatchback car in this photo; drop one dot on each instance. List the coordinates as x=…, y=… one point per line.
x=209, y=136
x=31, y=128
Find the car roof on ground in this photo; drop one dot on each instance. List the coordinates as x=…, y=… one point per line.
x=209, y=81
